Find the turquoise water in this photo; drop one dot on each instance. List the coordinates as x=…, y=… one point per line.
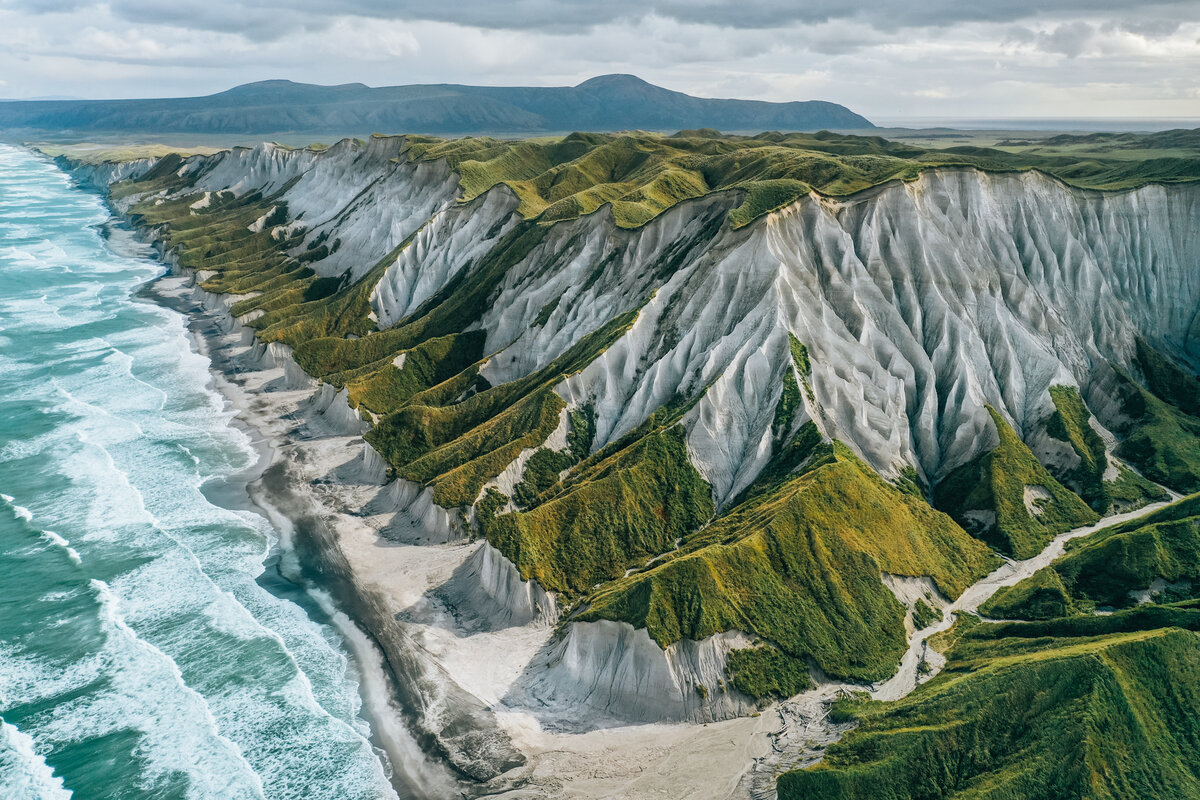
x=139, y=657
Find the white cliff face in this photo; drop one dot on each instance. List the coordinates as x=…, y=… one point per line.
x=615, y=671
x=488, y=593
x=359, y=199
x=449, y=242
x=919, y=303
x=101, y=176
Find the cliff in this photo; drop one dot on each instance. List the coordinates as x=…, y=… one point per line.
x=697, y=437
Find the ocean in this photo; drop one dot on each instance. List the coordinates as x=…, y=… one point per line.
x=141, y=654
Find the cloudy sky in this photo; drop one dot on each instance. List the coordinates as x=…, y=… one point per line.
x=885, y=59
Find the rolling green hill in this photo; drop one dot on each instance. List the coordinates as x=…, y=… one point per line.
x=1104, y=711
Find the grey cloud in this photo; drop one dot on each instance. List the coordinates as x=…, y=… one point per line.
x=1150, y=28
x=1069, y=39
x=270, y=19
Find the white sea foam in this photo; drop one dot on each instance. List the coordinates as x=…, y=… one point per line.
x=402, y=750
x=24, y=774
x=179, y=727
x=59, y=541
x=227, y=684
x=20, y=511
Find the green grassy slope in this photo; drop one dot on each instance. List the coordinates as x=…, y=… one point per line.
x=1162, y=437
x=798, y=565
x=987, y=496
x=1075, y=705
x=1101, y=569
x=614, y=512
x=1070, y=423
x=1104, y=711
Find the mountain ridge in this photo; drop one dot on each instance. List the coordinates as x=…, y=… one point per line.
x=602, y=103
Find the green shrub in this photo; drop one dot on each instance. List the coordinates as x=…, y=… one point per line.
x=541, y=472
x=924, y=615
x=764, y=672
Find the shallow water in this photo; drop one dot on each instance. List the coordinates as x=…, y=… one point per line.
x=139, y=656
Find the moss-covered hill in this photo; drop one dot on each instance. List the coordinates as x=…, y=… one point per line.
x=797, y=565
x=1008, y=499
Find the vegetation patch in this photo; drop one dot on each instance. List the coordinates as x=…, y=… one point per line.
x=1039, y=711
x=1167, y=380
x=1040, y=596
x=799, y=566
x=764, y=672
x=990, y=498
x=924, y=615
x=582, y=431
x=1070, y=423
x=800, y=356
x=613, y=513
x=1103, y=568
x=640, y=175
x=541, y=472
x=1161, y=439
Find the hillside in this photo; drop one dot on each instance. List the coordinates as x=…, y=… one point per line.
x=722, y=408
x=1095, y=709
x=605, y=103
x=1077, y=705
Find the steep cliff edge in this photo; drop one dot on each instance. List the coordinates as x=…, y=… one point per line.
x=649, y=399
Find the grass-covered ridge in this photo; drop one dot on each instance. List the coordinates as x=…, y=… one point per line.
x=1105, y=708
x=1162, y=433
x=1071, y=423
x=457, y=443
x=798, y=566
x=1103, y=568
x=642, y=174
x=1008, y=499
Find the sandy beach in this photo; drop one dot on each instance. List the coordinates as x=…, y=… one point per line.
x=323, y=487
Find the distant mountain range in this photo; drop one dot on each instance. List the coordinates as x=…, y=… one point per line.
x=605, y=103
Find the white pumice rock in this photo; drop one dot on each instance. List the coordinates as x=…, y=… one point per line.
x=615, y=671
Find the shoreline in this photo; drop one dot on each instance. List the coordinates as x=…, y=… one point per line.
x=313, y=482
x=285, y=567
x=325, y=490
x=621, y=760
x=442, y=610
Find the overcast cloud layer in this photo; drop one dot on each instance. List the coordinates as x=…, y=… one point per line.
x=884, y=59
